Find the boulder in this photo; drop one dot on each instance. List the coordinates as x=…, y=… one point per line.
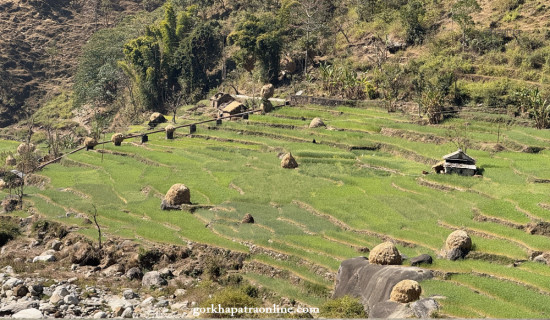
x=385, y=254
x=421, y=309
x=58, y=295
x=31, y=313
x=423, y=258
x=153, y=278
x=177, y=195
x=247, y=218
x=134, y=273
x=267, y=91
x=127, y=313
x=36, y=289
x=90, y=142
x=20, y=291
x=458, y=245
x=316, y=123
x=44, y=258
x=100, y=315
x=71, y=299
x=11, y=283
x=129, y=294
x=25, y=148
x=56, y=245
x=406, y=291
x=288, y=161
x=373, y=283
x=17, y=307
x=10, y=161
x=117, y=139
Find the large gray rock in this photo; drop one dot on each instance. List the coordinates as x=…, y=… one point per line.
x=153, y=278
x=28, y=314
x=44, y=258
x=134, y=273
x=423, y=258
x=373, y=283
x=16, y=307
x=11, y=283
x=58, y=295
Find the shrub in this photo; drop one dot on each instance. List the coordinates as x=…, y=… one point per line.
x=345, y=307
x=230, y=298
x=8, y=231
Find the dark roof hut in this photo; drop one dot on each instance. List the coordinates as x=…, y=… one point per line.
x=457, y=162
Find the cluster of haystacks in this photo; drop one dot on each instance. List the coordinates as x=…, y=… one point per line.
x=288, y=162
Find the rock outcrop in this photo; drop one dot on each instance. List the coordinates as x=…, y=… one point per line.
x=373, y=283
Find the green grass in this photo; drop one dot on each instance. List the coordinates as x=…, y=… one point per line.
x=337, y=201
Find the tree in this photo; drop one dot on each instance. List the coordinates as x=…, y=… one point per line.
x=94, y=216
x=259, y=39
x=461, y=13
x=537, y=105
x=412, y=15
x=391, y=80
x=460, y=136
x=308, y=16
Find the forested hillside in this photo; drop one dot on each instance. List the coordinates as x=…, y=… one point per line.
x=146, y=56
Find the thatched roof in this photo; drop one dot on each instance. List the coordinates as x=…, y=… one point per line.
x=234, y=107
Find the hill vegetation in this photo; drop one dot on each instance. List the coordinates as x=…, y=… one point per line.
x=464, y=74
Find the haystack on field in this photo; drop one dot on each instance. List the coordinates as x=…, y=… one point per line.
x=356, y=188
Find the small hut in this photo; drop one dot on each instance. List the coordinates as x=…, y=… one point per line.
x=220, y=98
x=457, y=162
x=233, y=108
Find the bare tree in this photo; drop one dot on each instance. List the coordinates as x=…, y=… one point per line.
x=310, y=16
x=94, y=216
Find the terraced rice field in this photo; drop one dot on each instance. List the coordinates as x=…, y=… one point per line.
x=361, y=183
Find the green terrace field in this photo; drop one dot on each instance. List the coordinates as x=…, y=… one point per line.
x=359, y=184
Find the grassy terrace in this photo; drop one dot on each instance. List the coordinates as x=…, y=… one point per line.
x=340, y=199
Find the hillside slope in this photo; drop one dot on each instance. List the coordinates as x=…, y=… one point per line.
x=40, y=47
